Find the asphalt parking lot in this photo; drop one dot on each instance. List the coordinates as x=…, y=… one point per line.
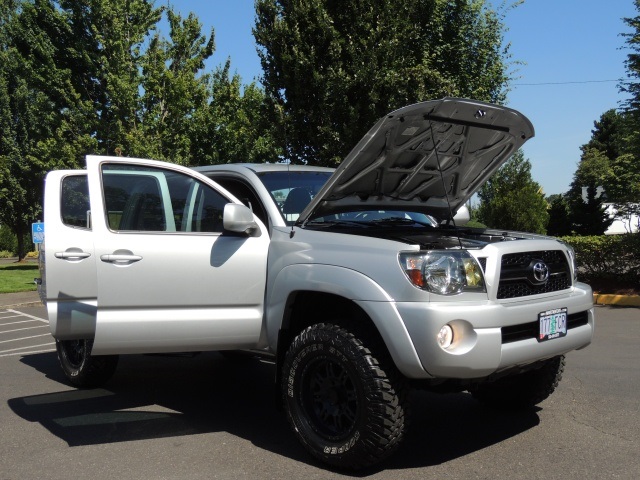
x=23, y=333
x=211, y=417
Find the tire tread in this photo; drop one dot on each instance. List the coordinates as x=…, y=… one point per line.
x=387, y=393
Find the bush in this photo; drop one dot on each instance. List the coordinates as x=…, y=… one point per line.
x=8, y=241
x=5, y=254
x=475, y=224
x=608, y=261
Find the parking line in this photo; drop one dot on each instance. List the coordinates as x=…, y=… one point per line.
x=25, y=348
x=25, y=338
x=29, y=353
x=28, y=316
x=26, y=328
x=15, y=323
x=9, y=314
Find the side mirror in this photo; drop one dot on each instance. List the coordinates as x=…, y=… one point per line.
x=239, y=219
x=462, y=216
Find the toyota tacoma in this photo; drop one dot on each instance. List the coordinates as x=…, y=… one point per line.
x=360, y=282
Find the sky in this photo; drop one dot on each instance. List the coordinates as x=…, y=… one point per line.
x=571, y=55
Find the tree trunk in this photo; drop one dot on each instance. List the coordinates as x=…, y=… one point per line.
x=22, y=245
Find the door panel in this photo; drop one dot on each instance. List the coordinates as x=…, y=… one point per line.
x=71, y=283
x=169, y=278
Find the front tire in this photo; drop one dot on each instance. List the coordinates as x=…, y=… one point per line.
x=343, y=396
x=523, y=390
x=82, y=369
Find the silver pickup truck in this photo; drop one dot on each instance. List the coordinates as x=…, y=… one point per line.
x=359, y=282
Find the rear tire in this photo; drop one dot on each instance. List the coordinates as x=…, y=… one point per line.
x=80, y=367
x=523, y=390
x=344, y=397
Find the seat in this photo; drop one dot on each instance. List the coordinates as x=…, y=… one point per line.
x=296, y=201
x=143, y=211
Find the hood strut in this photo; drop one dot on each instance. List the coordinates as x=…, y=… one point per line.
x=436, y=146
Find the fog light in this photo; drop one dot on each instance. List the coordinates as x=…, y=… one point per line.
x=445, y=336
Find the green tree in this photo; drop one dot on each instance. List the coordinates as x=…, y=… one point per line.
x=8, y=241
x=235, y=126
x=586, y=194
x=608, y=134
x=608, y=172
x=511, y=200
x=175, y=91
x=624, y=190
x=86, y=76
x=104, y=54
x=335, y=67
x=559, y=219
x=40, y=124
x=632, y=64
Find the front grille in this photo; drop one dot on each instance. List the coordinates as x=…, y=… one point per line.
x=516, y=273
x=525, y=331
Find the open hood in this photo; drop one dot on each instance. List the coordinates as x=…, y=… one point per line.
x=429, y=157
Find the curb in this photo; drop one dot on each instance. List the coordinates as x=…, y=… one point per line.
x=27, y=304
x=20, y=299
x=616, y=300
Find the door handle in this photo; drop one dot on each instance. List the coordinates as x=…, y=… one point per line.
x=120, y=258
x=71, y=255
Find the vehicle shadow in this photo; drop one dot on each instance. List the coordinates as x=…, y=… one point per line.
x=450, y=426
x=161, y=396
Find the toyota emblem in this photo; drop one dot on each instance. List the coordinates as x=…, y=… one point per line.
x=540, y=272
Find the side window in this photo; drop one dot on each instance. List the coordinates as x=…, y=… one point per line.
x=246, y=195
x=145, y=199
x=134, y=201
x=74, y=201
x=204, y=209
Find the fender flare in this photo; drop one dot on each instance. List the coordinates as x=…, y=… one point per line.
x=351, y=285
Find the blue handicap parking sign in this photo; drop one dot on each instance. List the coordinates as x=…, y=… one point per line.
x=37, y=232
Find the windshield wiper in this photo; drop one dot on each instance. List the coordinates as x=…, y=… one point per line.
x=338, y=223
x=399, y=221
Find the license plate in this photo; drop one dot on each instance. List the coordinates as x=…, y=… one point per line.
x=553, y=324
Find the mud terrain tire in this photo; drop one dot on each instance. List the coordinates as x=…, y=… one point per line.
x=343, y=396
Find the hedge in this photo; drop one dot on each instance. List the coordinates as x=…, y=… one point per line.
x=608, y=259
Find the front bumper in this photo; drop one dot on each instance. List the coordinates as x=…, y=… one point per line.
x=478, y=349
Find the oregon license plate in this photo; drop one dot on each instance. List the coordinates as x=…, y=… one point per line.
x=553, y=324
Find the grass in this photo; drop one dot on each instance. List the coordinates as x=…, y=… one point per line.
x=18, y=277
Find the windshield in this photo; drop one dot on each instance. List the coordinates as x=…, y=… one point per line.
x=292, y=191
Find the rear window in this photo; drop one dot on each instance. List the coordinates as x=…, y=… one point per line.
x=74, y=202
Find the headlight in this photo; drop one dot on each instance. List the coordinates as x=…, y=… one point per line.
x=445, y=272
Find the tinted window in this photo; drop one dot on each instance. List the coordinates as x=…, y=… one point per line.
x=292, y=191
x=246, y=195
x=157, y=200
x=74, y=204
x=134, y=202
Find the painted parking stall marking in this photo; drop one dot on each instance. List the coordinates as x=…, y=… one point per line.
x=23, y=334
